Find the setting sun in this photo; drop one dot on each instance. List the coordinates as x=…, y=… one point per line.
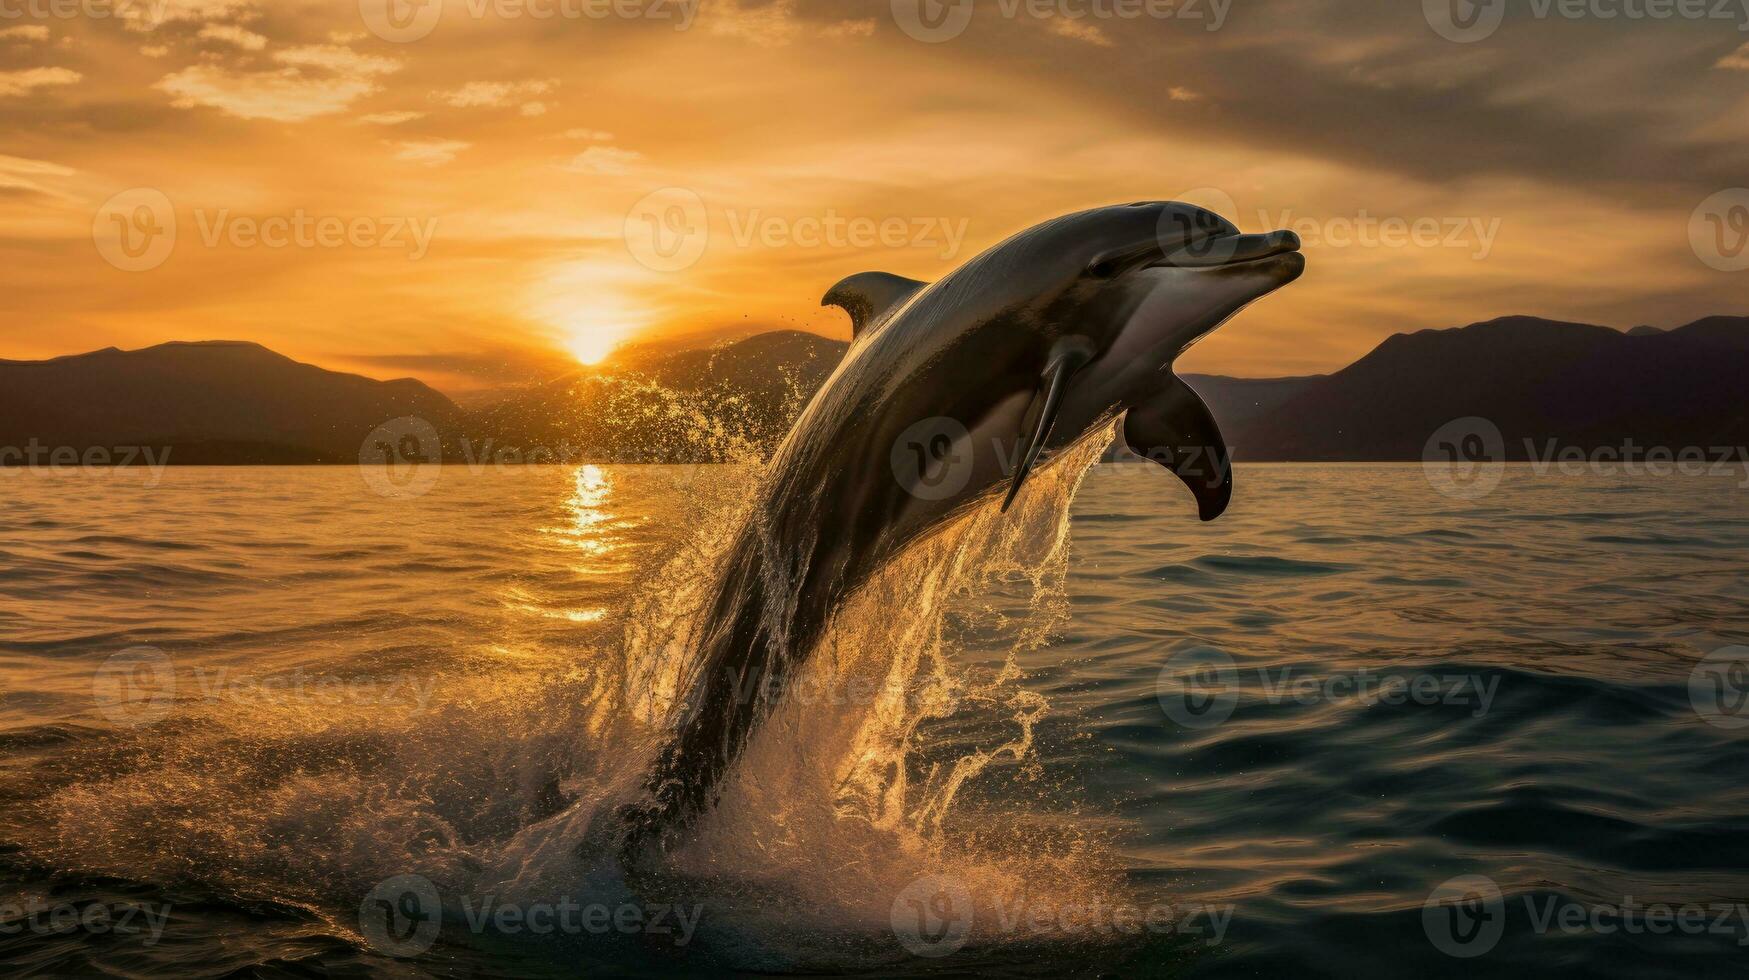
x=592, y=344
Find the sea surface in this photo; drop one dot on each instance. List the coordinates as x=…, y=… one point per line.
x=325, y=721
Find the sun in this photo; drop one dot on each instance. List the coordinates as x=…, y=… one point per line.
x=591, y=345
x=589, y=309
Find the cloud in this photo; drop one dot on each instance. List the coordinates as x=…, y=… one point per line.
x=318, y=80
x=155, y=50
x=155, y=14
x=232, y=34
x=429, y=153
x=390, y=118
x=475, y=95
x=1738, y=59
x=605, y=160
x=592, y=135
x=770, y=24
x=23, y=82
x=850, y=28
x=17, y=174
x=534, y=108
x=336, y=58
x=1179, y=93
x=1080, y=30
x=29, y=32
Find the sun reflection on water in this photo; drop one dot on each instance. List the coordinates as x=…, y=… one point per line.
x=589, y=541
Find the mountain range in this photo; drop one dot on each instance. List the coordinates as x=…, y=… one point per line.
x=1536, y=380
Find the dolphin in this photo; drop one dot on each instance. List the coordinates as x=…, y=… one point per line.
x=1036, y=343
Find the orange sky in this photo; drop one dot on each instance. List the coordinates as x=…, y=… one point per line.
x=473, y=206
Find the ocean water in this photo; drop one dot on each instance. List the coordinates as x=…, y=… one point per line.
x=296, y=722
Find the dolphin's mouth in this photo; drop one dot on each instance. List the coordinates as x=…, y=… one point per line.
x=1224, y=250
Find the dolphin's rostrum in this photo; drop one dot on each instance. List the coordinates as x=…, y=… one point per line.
x=1044, y=338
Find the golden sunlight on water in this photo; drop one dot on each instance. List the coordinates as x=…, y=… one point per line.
x=340, y=702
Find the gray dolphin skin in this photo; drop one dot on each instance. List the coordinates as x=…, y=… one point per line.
x=1026, y=349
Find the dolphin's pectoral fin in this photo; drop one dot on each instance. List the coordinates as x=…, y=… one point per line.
x=869, y=297
x=1175, y=429
x=1067, y=356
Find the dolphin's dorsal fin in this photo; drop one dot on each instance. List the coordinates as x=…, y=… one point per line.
x=870, y=297
x=1176, y=429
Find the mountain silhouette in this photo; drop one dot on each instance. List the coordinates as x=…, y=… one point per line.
x=209, y=402
x=700, y=405
x=1536, y=380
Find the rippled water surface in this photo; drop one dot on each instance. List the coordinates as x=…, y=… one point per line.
x=1122, y=743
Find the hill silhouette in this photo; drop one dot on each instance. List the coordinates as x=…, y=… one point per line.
x=1537, y=380
x=211, y=402
x=1578, y=384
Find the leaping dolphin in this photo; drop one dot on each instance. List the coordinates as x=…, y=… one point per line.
x=1037, y=342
